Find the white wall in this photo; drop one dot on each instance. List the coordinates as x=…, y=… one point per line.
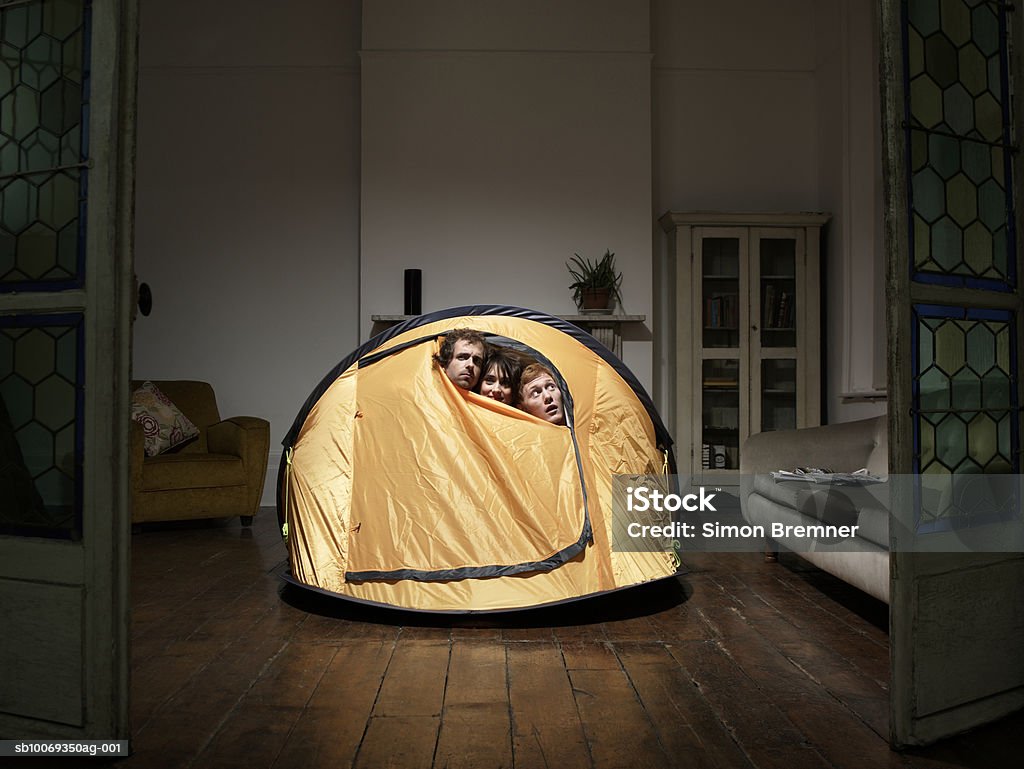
x=495, y=139
x=773, y=107
x=247, y=199
x=498, y=139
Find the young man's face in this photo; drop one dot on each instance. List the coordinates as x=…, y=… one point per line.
x=542, y=398
x=464, y=368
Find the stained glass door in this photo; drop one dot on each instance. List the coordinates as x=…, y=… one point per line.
x=66, y=126
x=954, y=386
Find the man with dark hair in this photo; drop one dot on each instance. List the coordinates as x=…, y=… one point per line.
x=461, y=356
x=540, y=395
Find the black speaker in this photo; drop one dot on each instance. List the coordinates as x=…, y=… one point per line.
x=413, y=292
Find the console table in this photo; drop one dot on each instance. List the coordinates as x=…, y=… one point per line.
x=607, y=329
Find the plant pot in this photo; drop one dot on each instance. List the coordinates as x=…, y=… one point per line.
x=596, y=300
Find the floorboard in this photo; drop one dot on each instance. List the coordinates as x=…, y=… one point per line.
x=736, y=664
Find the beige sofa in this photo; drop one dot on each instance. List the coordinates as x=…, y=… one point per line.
x=845, y=447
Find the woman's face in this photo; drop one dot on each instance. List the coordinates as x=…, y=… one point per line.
x=495, y=385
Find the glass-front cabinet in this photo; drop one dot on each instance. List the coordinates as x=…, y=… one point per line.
x=748, y=321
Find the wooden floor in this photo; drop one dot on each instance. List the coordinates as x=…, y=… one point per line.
x=736, y=664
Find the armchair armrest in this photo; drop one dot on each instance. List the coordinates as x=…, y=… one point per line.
x=249, y=439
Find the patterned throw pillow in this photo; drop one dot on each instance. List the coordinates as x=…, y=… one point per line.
x=163, y=424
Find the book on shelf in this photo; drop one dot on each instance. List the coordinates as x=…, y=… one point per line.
x=778, y=311
x=705, y=456
x=721, y=311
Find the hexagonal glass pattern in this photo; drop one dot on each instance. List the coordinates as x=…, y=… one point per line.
x=964, y=399
x=956, y=88
x=42, y=176
x=40, y=425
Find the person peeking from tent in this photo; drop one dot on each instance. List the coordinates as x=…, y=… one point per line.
x=462, y=356
x=500, y=380
x=540, y=395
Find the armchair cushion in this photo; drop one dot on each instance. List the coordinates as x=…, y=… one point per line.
x=163, y=424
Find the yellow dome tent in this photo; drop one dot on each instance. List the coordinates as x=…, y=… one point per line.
x=401, y=489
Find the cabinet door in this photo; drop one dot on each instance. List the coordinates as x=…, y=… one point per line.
x=776, y=329
x=721, y=314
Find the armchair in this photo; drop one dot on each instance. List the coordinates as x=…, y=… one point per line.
x=219, y=474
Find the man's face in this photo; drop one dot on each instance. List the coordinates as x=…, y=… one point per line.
x=542, y=398
x=464, y=368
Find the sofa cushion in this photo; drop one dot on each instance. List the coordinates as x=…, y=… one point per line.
x=164, y=426
x=866, y=506
x=192, y=471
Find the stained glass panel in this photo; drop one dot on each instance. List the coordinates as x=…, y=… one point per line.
x=40, y=424
x=43, y=83
x=957, y=131
x=964, y=397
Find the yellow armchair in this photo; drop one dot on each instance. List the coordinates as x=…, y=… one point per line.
x=218, y=475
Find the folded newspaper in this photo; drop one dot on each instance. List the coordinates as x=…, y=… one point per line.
x=825, y=475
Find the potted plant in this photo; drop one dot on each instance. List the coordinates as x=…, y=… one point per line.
x=595, y=286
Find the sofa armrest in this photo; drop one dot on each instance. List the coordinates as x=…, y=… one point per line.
x=249, y=439
x=842, y=447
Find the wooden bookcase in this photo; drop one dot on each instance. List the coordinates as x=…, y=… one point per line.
x=748, y=329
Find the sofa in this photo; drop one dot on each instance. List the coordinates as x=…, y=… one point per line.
x=863, y=560
x=219, y=474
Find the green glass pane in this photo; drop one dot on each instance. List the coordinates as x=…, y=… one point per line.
x=951, y=441
x=978, y=248
x=9, y=59
x=961, y=200
x=982, y=439
x=62, y=17
x=985, y=29
x=1004, y=437
x=999, y=254
x=71, y=60
x=940, y=60
x=947, y=245
x=923, y=15
x=40, y=63
x=958, y=109
x=966, y=390
x=22, y=23
x=977, y=161
x=61, y=106
x=925, y=101
x=956, y=21
x=928, y=193
x=934, y=389
x=927, y=433
x=37, y=251
x=58, y=200
x=915, y=54
x=925, y=346
x=992, y=205
x=949, y=347
x=944, y=155
x=988, y=117
x=973, y=70
x=19, y=112
x=996, y=390
x=981, y=348
x=17, y=205
x=922, y=242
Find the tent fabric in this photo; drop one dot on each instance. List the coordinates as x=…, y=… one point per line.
x=404, y=490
